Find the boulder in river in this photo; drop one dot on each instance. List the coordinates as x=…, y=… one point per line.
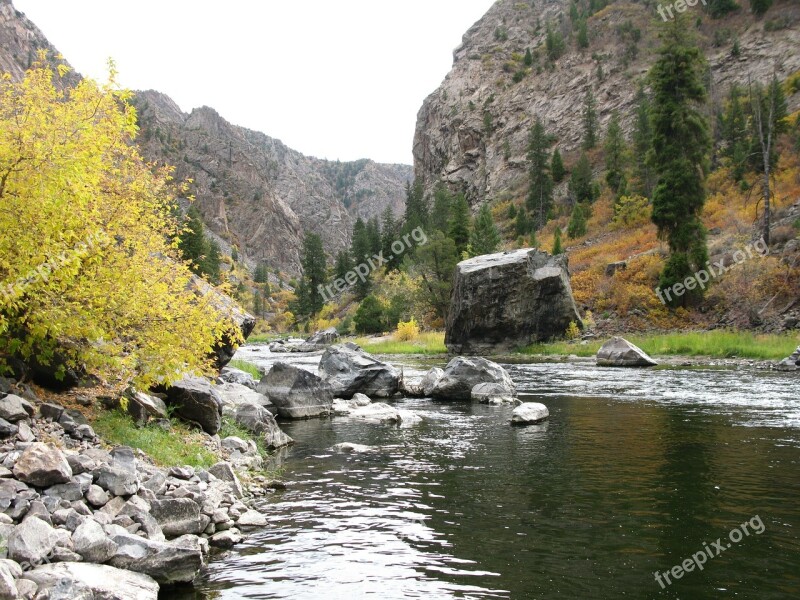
x=791, y=362
x=352, y=371
x=319, y=341
x=464, y=373
x=529, y=413
x=492, y=393
x=510, y=299
x=297, y=393
x=619, y=352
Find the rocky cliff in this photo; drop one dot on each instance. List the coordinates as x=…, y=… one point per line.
x=259, y=194
x=472, y=132
x=252, y=190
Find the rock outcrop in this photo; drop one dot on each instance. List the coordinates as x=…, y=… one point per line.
x=619, y=352
x=351, y=371
x=509, y=299
x=462, y=374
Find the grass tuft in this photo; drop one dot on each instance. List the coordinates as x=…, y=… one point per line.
x=429, y=342
x=178, y=447
x=247, y=367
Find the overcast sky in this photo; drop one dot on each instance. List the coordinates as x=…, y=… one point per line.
x=340, y=79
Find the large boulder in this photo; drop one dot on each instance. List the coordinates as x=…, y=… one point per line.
x=619, y=352
x=42, y=465
x=791, y=362
x=230, y=310
x=32, y=541
x=259, y=421
x=166, y=562
x=81, y=580
x=510, y=299
x=92, y=543
x=297, y=393
x=196, y=400
x=462, y=374
x=351, y=371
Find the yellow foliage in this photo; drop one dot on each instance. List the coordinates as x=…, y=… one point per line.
x=572, y=332
x=407, y=331
x=89, y=269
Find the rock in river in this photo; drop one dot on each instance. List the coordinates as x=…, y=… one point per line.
x=619, y=352
x=509, y=299
x=298, y=394
x=464, y=373
x=350, y=371
x=528, y=413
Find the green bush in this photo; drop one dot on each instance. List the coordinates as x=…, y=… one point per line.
x=370, y=316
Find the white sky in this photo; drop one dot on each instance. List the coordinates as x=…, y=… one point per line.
x=333, y=79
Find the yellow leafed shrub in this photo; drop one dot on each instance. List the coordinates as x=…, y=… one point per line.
x=407, y=331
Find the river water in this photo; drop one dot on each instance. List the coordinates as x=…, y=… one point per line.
x=636, y=471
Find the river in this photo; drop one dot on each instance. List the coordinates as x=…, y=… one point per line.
x=635, y=471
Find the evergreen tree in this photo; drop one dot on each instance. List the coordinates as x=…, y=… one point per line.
x=522, y=224
x=589, y=121
x=435, y=264
x=369, y=317
x=759, y=7
x=261, y=274
x=540, y=195
x=554, y=44
x=374, y=236
x=485, y=238
x=343, y=264
x=583, y=35
x=616, y=157
x=679, y=154
x=557, y=242
x=557, y=167
x=528, y=61
x=258, y=303
x=360, y=250
x=512, y=211
x=210, y=263
x=458, y=227
x=416, y=208
x=390, y=233
x=735, y=132
x=642, y=142
x=578, y=222
x=440, y=213
x=192, y=241
x=581, y=184
x=720, y=8
x=314, y=265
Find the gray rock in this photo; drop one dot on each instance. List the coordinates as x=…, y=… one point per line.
x=619, y=352
x=251, y=518
x=231, y=375
x=12, y=408
x=166, y=562
x=791, y=362
x=143, y=407
x=350, y=448
x=196, y=400
x=7, y=429
x=96, y=496
x=232, y=443
x=430, y=380
x=92, y=543
x=116, y=479
x=51, y=411
x=31, y=541
x=351, y=372
x=66, y=491
x=226, y=539
x=462, y=374
x=318, y=341
x=186, y=472
x=259, y=421
x=296, y=393
x=27, y=589
x=42, y=465
x=234, y=395
x=509, y=299
x=225, y=472
x=24, y=433
x=179, y=516
x=78, y=581
x=529, y=412
x=8, y=585
x=377, y=412
x=492, y=393
x=80, y=463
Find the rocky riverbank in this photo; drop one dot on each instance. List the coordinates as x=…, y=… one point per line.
x=79, y=518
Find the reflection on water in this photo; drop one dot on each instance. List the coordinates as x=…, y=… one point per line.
x=633, y=473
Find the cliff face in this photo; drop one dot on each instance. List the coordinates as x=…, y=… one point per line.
x=472, y=132
x=252, y=190
x=257, y=193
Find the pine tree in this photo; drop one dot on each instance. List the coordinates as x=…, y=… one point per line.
x=435, y=264
x=440, y=213
x=314, y=274
x=557, y=167
x=485, y=238
x=735, y=132
x=522, y=224
x=360, y=251
x=261, y=274
x=416, y=208
x=578, y=222
x=343, y=264
x=581, y=184
x=616, y=157
x=759, y=7
x=589, y=121
x=528, y=61
x=554, y=44
x=720, y=8
x=583, y=35
x=557, y=243
x=390, y=233
x=540, y=195
x=458, y=227
x=192, y=240
x=679, y=154
x=642, y=142
x=512, y=211
x=210, y=263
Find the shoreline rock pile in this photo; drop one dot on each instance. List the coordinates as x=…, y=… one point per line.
x=98, y=523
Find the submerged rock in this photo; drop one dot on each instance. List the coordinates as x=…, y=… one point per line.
x=350, y=448
x=510, y=299
x=492, y=393
x=352, y=371
x=464, y=373
x=619, y=352
x=528, y=413
x=297, y=393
